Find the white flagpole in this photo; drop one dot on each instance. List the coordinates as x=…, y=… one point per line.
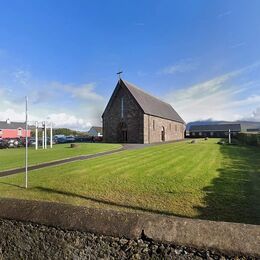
x=51, y=135
x=26, y=142
x=36, y=135
x=45, y=135
x=43, y=142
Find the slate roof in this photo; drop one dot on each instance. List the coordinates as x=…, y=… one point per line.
x=12, y=125
x=99, y=129
x=214, y=128
x=152, y=105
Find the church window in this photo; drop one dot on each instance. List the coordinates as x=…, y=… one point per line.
x=122, y=107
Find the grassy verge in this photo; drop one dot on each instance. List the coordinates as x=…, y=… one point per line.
x=202, y=180
x=14, y=158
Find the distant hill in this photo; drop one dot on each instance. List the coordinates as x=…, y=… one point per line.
x=244, y=124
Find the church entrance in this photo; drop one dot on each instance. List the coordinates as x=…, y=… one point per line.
x=163, y=134
x=122, y=132
x=124, y=136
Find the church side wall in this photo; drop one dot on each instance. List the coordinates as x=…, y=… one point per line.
x=153, y=127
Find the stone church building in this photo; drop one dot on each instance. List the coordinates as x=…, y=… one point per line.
x=133, y=116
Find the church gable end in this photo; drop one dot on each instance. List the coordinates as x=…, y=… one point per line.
x=122, y=118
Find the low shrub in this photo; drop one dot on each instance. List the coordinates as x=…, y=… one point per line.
x=249, y=138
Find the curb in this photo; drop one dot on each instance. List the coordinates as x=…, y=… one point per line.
x=225, y=237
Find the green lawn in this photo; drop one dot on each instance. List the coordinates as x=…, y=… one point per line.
x=202, y=180
x=14, y=158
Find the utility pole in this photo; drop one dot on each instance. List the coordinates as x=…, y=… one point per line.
x=26, y=142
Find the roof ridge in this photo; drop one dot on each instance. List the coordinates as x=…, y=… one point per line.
x=133, y=85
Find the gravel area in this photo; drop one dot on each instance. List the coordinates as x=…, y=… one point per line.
x=19, y=240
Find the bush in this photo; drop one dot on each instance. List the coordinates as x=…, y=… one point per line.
x=249, y=138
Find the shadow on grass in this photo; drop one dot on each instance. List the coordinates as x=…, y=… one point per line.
x=105, y=202
x=234, y=196
x=11, y=184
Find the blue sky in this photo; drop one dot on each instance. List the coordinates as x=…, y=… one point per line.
x=203, y=57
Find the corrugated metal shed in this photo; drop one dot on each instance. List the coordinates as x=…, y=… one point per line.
x=214, y=128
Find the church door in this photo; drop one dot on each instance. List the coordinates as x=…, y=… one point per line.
x=124, y=136
x=122, y=132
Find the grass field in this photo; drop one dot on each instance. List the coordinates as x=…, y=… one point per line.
x=14, y=158
x=203, y=180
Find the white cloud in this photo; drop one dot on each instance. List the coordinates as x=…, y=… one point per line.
x=12, y=114
x=254, y=116
x=180, y=67
x=69, y=121
x=218, y=98
x=62, y=120
x=84, y=91
x=73, y=106
x=22, y=76
x=226, y=13
x=237, y=45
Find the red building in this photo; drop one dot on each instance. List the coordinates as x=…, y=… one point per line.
x=13, y=130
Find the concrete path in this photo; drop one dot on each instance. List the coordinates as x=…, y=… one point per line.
x=79, y=158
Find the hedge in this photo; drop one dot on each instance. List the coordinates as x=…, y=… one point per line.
x=249, y=138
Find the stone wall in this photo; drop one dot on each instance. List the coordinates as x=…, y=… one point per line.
x=21, y=240
x=133, y=119
x=153, y=128
x=228, y=238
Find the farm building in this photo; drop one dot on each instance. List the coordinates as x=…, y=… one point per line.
x=217, y=130
x=95, y=131
x=221, y=130
x=133, y=116
x=12, y=129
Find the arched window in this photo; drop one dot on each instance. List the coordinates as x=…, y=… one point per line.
x=163, y=134
x=19, y=132
x=122, y=107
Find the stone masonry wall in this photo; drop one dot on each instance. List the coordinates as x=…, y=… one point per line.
x=153, y=127
x=20, y=240
x=133, y=118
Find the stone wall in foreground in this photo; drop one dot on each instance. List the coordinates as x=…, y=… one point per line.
x=228, y=238
x=19, y=240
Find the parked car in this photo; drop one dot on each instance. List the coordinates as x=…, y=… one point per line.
x=3, y=144
x=85, y=138
x=70, y=139
x=60, y=140
x=98, y=138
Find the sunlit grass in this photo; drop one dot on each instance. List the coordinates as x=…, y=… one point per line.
x=15, y=157
x=201, y=180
